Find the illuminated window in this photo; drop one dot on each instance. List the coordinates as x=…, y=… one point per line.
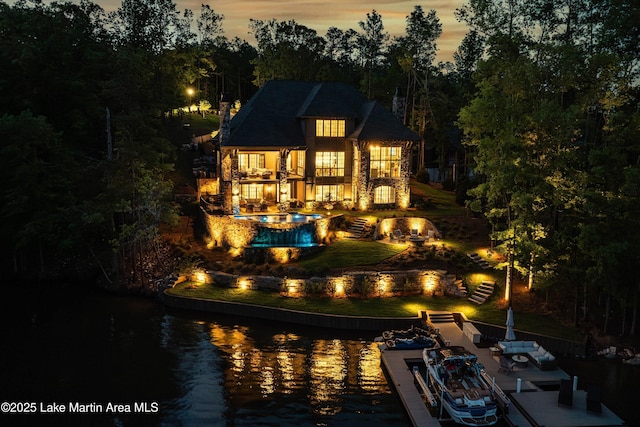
x=384, y=194
x=300, y=163
x=329, y=163
x=250, y=161
x=329, y=193
x=329, y=128
x=252, y=192
x=385, y=162
x=295, y=162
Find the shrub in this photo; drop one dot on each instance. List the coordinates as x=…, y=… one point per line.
x=422, y=176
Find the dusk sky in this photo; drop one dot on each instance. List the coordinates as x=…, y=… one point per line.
x=322, y=14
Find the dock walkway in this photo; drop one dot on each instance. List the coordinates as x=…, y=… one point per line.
x=532, y=407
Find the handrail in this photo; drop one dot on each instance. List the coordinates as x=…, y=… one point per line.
x=496, y=389
x=425, y=389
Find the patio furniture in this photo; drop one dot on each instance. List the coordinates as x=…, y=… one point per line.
x=506, y=365
x=520, y=361
x=541, y=357
x=397, y=235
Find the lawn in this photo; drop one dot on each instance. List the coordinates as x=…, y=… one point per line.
x=408, y=306
x=351, y=253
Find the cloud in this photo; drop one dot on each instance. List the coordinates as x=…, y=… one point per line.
x=320, y=15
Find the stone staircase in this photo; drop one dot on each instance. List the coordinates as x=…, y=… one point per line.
x=484, y=291
x=478, y=260
x=357, y=228
x=462, y=289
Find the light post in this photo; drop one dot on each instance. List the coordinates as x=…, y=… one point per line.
x=190, y=92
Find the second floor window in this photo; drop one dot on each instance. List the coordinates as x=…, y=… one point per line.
x=385, y=162
x=329, y=163
x=250, y=161
x=330, y=128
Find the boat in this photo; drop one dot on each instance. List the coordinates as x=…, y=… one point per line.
x=455, y=376
x=406, y=333
x=416, y=343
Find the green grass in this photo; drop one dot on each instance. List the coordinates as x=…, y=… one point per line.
x=350, y=253
x=441, y=203
x=408, y=306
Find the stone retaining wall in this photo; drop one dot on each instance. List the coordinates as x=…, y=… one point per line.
x=428, y=282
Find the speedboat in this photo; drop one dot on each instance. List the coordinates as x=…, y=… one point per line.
x=407, y=333
x=455, y=376
x=415, y=343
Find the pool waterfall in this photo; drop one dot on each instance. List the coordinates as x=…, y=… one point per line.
x=277, y=236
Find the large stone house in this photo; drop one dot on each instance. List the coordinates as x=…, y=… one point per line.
x=312, y=144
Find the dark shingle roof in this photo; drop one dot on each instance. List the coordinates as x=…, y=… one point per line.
x=272, y=117
x=378, y=124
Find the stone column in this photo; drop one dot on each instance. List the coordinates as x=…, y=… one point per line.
x=363, y=179
x=283, y=205
x=235, y=183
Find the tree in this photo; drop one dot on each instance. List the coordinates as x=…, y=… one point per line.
x=420, y=43
x=371, y=44
x=209, y=26
x=35, y=168
x=149, y=25
x=286, y=49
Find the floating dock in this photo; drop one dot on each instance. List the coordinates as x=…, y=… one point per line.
x=531, y=407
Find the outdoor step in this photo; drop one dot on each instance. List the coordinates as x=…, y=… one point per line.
x=477, y=299
x=441, y=318
x=357, y=228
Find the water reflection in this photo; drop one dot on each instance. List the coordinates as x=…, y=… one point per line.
x=71, y=345
x=318, y=372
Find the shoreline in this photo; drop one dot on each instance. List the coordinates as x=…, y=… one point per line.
x=305, y=318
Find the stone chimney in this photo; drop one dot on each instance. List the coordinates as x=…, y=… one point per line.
x=225, y=117
x=398, y=104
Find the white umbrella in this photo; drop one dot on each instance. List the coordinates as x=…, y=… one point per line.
x=510, y=335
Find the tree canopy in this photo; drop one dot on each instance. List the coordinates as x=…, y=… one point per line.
x=535, y=124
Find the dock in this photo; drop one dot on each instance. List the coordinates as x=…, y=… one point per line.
x=530, y=407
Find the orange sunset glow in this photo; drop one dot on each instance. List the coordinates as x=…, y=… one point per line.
x=322, y=14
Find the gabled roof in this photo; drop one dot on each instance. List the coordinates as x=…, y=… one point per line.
x=272, y=117
x=378, y=124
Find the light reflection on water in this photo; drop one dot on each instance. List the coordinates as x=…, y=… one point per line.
x=72, y=345
x=202, y=370
x=312, y=379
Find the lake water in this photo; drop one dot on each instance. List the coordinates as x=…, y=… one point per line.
x=87, y=352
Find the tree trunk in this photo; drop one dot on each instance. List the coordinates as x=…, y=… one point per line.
x=634, y=317
x=605, y=327
x=584, y=302
x=576, y=307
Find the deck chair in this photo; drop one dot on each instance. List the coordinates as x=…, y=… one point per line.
x=594, y=403
x=506, y=365
x=565, y=394
x=397, y=234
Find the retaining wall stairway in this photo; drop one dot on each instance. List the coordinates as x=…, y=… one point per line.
x=482, y=293
x=357, y=228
